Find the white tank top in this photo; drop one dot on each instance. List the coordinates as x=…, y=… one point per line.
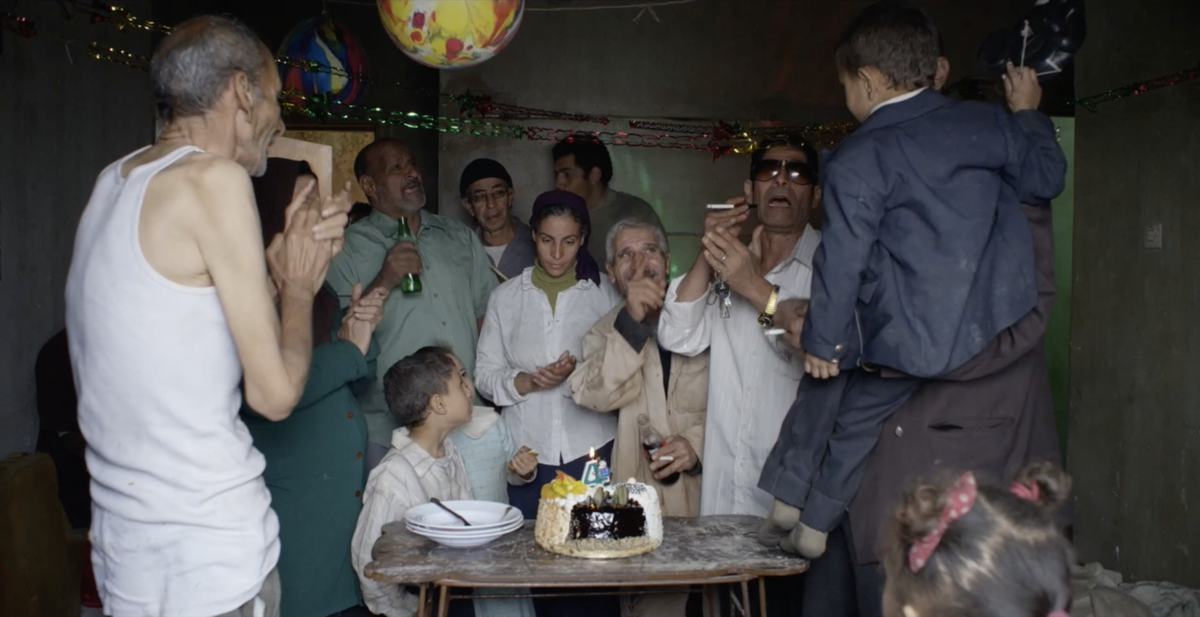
x=181, y=517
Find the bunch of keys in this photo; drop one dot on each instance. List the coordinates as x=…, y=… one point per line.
x=722, y=290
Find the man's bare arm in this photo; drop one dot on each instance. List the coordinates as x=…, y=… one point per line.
x=275, y=359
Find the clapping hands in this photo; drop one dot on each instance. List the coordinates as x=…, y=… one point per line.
x=361, y=316
x=546, y=377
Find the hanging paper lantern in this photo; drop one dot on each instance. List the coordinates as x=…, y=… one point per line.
x=451, y=34
x=329, y=44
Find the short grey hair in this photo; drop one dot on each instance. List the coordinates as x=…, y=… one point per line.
x=192, y=66
x=633, y=222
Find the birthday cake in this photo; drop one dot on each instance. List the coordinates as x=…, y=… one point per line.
x=602, y=521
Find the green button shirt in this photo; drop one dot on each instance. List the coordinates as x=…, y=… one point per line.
x=456, y=282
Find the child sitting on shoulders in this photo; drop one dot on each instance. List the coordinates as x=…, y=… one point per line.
x=925, y=256
x=970, y=549
x=430, y=394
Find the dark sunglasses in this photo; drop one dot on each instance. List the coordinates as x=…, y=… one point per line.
x=798, y=172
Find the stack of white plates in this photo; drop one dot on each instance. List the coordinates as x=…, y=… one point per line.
x=489, y=520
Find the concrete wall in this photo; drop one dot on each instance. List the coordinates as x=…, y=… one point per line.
x=63, y=118
x=1135, y=399
x=734, y=60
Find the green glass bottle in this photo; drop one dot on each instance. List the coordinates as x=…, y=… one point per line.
x=411, y=283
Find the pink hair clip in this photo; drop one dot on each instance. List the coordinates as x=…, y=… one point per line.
x=959, y=500
x=1030, y=492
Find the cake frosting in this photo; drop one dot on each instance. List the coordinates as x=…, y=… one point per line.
x=627, y=521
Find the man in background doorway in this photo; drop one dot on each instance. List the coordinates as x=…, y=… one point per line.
x=582, y=165
x=488, y=196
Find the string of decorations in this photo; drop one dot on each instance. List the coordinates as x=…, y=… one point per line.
x=484, y=106
x=478, y=112
x=721, y=138
x=121, y=18
x=324, y=107
x=1092, y=102
x=23, y=27
x=111, y=54
x=481, y=106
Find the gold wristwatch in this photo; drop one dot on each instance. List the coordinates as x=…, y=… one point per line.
x=766, y=319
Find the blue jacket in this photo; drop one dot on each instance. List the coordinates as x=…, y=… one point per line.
x=924, y=242
x=520, y=254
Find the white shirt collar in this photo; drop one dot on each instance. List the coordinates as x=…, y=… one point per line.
x=898, y=99
x=482, y=419
x=805, y=249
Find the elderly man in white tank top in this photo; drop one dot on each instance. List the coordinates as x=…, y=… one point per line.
x=169, y=302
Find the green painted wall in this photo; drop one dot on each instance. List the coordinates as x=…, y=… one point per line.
x=1058, y=330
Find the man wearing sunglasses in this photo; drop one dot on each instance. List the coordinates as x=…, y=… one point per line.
x=758, y=378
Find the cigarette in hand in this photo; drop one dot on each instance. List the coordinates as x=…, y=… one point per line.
x=668, y=458
x=775, y=332
x=726, y=206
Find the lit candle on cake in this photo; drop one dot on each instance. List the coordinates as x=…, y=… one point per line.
x=595, y=472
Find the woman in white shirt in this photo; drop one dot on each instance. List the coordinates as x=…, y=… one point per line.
x=531, y=339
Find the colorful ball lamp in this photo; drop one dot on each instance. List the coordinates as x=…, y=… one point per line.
x=451, y=34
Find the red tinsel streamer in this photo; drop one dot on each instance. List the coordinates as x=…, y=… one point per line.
x=486, y=107
x=1091, y=102
x=672, y=127
x=20, y=25
x=642, y=140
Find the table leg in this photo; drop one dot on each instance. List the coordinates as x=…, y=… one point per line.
x=444, y=601
x=746, y=598
x=421, y=600
x=762, y=597
x=712, y=600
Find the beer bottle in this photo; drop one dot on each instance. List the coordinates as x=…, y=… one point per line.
x=411, y=283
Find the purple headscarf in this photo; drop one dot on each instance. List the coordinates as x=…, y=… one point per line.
x=585, y=265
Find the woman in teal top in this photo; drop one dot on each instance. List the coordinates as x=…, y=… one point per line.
x=315, y=457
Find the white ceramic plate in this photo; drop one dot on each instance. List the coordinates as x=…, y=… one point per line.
x=459, y=541
x=463, y=532
x=483, y=515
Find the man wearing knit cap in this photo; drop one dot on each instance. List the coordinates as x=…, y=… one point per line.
x=487, y=194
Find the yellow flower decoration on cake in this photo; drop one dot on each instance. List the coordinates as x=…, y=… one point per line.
x=561, y=486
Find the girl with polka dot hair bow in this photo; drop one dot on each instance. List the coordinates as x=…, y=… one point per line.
x=970, y=549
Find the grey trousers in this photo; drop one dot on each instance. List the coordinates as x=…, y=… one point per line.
x=818, y=461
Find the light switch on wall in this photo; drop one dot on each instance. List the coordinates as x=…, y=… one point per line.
x=1152, y=236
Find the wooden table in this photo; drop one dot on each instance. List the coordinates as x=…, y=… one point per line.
x=704, y=551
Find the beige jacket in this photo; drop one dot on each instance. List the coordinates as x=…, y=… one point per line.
x=613, y=377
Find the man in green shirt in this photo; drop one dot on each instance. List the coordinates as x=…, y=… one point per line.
x=455, y=274
x=583, y=166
